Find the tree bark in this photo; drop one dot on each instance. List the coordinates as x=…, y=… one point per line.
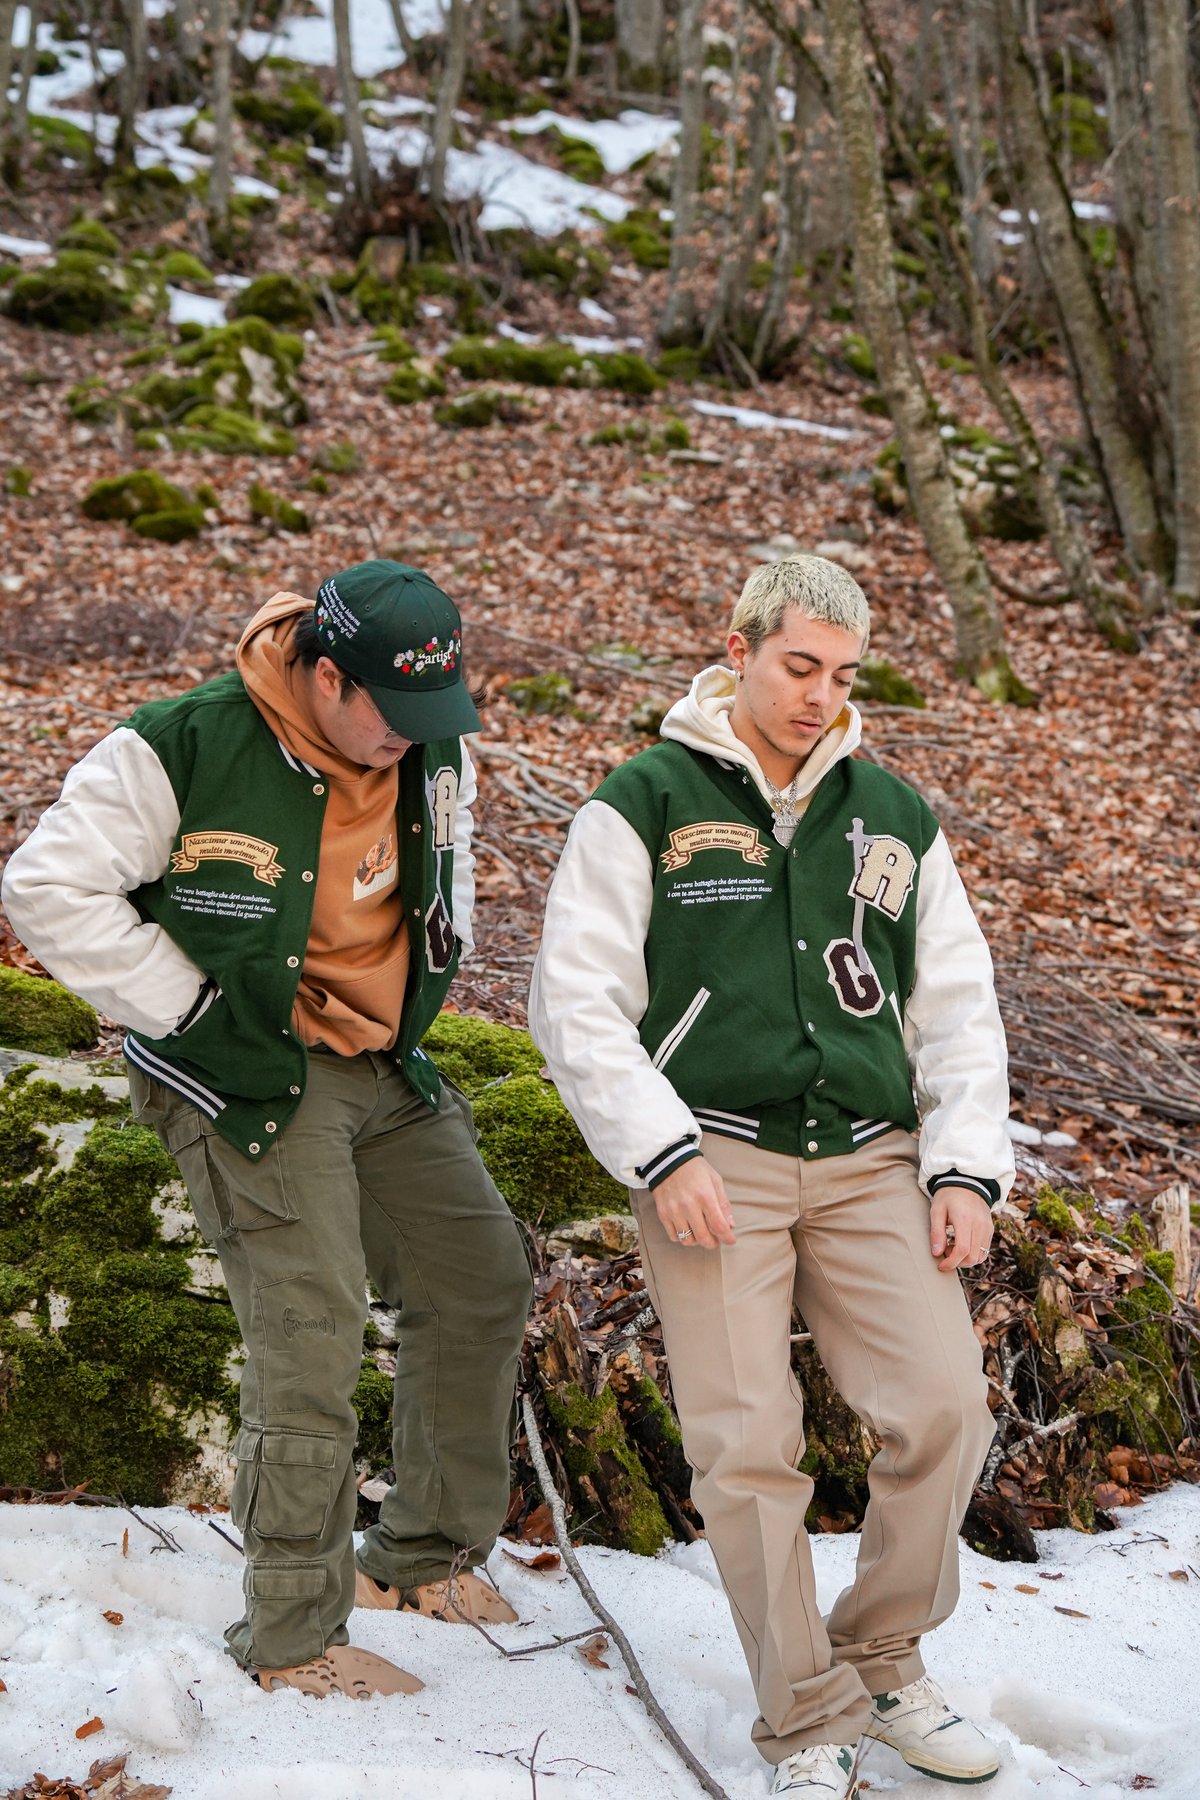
x=979, y=635
x=514, y=28
x=679, y=316
x=361, y=178
x=574, y=42
x=19, y=113
x=402, y=32
x=132, y=85
x=220, y=170
x=793, y=198
x=640, y=42
x=1106, y=605
x=744, y=221
x=1086, y=324
x=453, y=74
x=1173, y=143
x=8, y=15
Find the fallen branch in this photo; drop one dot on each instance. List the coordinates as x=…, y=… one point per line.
x=558, y=1512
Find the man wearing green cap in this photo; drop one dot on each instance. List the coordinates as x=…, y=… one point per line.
x=269, y=881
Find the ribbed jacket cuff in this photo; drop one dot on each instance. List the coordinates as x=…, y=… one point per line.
x=667, y=1161
x=978, y=1184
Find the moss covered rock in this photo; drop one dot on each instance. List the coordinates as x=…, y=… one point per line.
x=170, y=526
x=80, y=291
x=226, y=431
x=89, y=234
x=996, y=497
x=880, y=680
x=280, y=299
x=422, y=380
x=273, y=509
x=181, y=265
x=294, y=111
x=550, y=692
x=147, y=501
x=38, y=1014
x=566, y=262
x=552, y=364
x=248, y=367
x=641, y=236
x=338, y=459
x=473, y=411
x=114, y=1341
x=577, y=156
x=527, y=1137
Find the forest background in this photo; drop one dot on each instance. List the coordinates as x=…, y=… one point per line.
x=589, y=309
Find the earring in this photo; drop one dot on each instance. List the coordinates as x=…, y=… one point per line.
x=739, y=674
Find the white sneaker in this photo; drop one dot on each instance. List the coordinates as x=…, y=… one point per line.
x=821, y=1772
x=929, y=1735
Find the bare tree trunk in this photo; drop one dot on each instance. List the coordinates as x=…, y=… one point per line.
x=132, y=85
x=744, y=223
x=402, y=32
x=793, y=196
x=514, y=28
x=1173, y=142
x=8, y=19
x=640, y=42
x=918, y=91
x=361, y=179
x=574, y=42
x=453, y=74
x=14, y=144
x=1106, y=605
x=219, y=174
x=1087, y=327
x=678, y=322
x=979, y=635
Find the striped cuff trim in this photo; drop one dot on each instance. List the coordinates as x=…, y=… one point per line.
x=662, y=1165
x=987, y=1190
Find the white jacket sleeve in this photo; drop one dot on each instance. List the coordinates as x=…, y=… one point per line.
x=590, y=992
x=65, y=890
x=462, y=900
x=954, y=1036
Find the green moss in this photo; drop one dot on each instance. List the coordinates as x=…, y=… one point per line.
x=248, y=366
x=565, y=263
x=682, y=362
x=550, y=693
x=100, y=1385
x=473, y=1053
x=80, y=292
x=181, y=265
x=641, y=237
x=296, y=111
x=577, y=156
x=37, y=1014
x=536, y=1157
x=231, y=433
x=280, y=299
x=89, y=234
x=598, y=1451
x=393, y=346
x=552, y=364
x=19, y=481
x=127, y=496
x=172, y=526
x=859, y=358
x=1053, y=1211
x=372, y=1401
x=878, y=680
x=61, y=137
x=338, y=459
x=466, y=412
x=409, y=385
x=272, y=509
x=145, y=194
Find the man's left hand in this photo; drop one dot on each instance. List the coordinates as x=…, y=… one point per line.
x=960, y=1228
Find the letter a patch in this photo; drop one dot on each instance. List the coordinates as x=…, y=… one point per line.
x=883, y=875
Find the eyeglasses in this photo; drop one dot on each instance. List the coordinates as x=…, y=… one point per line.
x=389, y=731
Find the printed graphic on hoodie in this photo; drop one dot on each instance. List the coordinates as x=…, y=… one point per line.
x=378, y=868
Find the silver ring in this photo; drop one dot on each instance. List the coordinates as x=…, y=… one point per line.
x=683, y=1237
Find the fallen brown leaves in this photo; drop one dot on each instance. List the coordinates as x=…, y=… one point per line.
x=103, y=1781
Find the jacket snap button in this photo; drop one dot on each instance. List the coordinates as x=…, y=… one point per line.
x=271, y=1125
x=810, y=1123
x=306, y=875
x=293, y=1089
x=800, y=944
x=293, y=962
x=821, y=1082
x=416, y=828
x=318, y=787
x=254, y=1149
x=812, y=1144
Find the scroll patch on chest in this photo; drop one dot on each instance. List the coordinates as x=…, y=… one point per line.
x=196, y=847
x=713, y=834
x=884, y=868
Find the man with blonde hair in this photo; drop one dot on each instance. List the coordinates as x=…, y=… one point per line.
x=763, y=995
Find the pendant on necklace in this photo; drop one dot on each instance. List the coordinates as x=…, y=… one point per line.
x=784, y=828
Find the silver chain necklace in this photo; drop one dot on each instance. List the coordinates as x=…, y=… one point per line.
x=786, y=820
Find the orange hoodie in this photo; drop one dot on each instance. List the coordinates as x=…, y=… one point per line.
x=356, y=965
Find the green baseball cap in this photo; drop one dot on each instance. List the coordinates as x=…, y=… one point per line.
x=398, y=634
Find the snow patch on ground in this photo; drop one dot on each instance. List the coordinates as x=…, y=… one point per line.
x=752, y=420
x=19, y=246
x=195, y=309
x=620, y=142
x=373, y=39
x=1074, y=1702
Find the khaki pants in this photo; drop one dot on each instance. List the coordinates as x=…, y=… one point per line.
x=847, y=1238
x=366, y=1180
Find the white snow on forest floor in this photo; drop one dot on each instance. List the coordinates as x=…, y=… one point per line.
x=373, y=39
x=1078, y=1703
x=620, y=142
x=753, y=420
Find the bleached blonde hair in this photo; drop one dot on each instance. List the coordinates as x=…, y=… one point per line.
x=812, y=586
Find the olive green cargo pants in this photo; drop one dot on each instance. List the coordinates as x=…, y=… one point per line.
x=365, y=1181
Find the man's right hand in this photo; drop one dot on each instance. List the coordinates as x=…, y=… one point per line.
x=694, y=1207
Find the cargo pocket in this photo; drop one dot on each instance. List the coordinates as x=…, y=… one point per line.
x=284, y=1483
x=283, y=1603
x=464, y=1106
x=228, y=1192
